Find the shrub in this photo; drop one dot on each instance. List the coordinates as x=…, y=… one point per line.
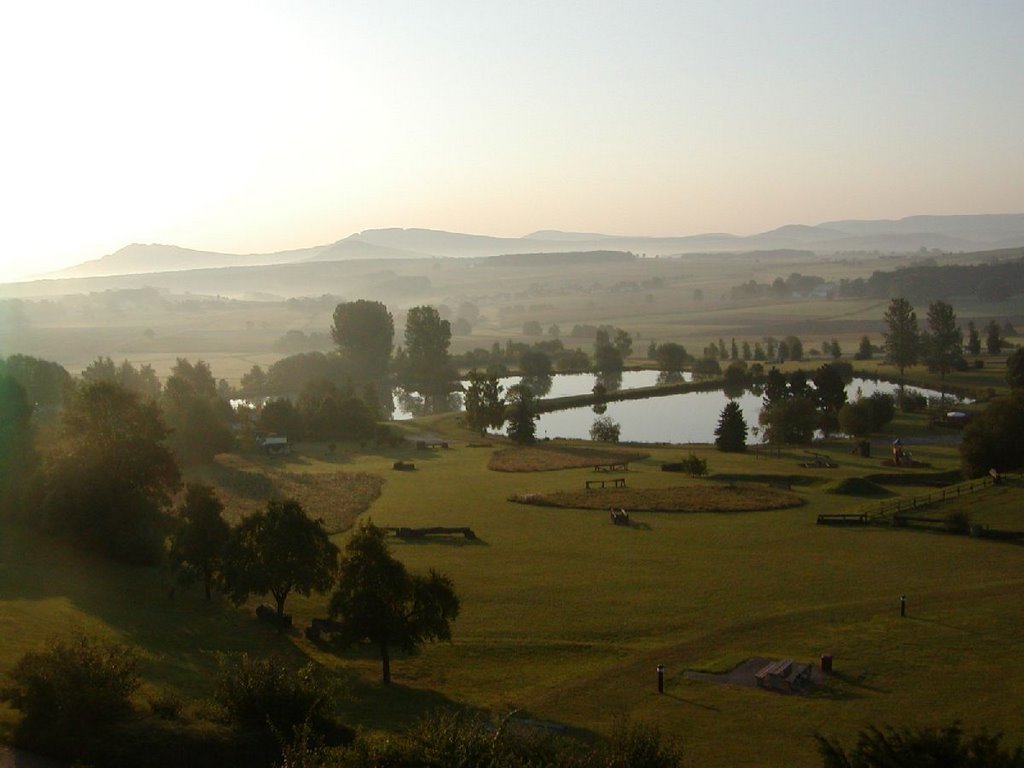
x=605, y=430
x=696, y=466
x=71, y=693
x=640, y=746
x=269, y=693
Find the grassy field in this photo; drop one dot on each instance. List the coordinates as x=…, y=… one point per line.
x=565, y=616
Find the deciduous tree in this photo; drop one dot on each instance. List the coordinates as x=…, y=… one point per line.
x=902, y=340
x=943, y=342
x=279, y=550
x=200, y=537
x=364, y=332
x=485, y=406
x=380, y=602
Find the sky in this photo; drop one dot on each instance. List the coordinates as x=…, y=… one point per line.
x=260, y=126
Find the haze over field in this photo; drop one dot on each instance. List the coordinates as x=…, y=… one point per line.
x=235, y=128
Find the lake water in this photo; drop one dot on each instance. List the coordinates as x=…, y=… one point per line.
x=682, y=418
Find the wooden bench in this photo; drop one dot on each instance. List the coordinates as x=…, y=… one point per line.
x=617, y=482
x=615, y=466
x=403, y=532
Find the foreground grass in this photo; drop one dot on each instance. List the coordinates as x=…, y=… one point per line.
x=565, y=616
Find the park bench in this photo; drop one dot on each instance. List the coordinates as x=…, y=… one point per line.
x=783, y=674
x=615, y=466
x=403, y=466
x=617, y=482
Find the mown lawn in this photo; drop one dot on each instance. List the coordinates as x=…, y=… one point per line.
x=565, y=616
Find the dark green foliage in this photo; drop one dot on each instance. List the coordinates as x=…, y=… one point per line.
x=485, y=406
x=883, y=409
x=948, y=747
x=46, y=383
x=109, y=483
x=18, y=457
x=902, y=339
x=942, y=343
x=271, y=694
x=280, y=417
x=731, y=432
x=973, y=339
x=364, y=332
x=426, y=366
x=864, y=351
x=796, y=348
x=1015, y=369
x=993, y=338
x=199, y=419
x=789, y=421
x=278, y=551
x=695, y=466
x=670, y=356
x=534, y=363
x=607, y=359
x=706, y=366
x=378, y=601
x=331, y=413
x=142, y=381
x=199, y=538
x=829, y=395
x=992, y=440
x=857, y=418
x=521, y=414
x=634, y=745
x=71, y=694
x=605, y=430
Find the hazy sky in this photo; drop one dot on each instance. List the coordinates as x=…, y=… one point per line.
x=261, y=126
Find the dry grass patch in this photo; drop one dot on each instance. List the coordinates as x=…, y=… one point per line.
x=542, y=459
x=337, y=498
x=699, y=497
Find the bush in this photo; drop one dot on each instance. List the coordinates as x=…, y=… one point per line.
x=696, y=466
x=270, y=694
x=911, y=402
x=605, y=430
x=71, y=694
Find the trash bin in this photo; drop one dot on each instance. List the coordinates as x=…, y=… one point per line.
x=826, y=663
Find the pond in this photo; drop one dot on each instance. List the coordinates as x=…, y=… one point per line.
x=681, y=418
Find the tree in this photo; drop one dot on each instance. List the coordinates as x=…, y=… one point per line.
x=279, y=551
x=836, y=350
x=280, y=417
x=731, y=432
x=109, y=482
x=199, y=540
x=380, y=602
x=973, y=339
x=534, y=363
x=796, y=348
x=605, y=430
x=864, y=351
x=364, y=332
x=485, y=407
x=829, y=395
x=993, y=338
x=992, y=439
x=943, y=342
x=607, y=359
x=521, y=414
x=857, y=418
x=789, y=421
x=670, y=356
x=427, y=363
x=199, y=419
x=1015, y=369
x=71, y=693
x=17, y=453
x=902, y=342
x=949, y=747
x=46, y=383
x=623, y=343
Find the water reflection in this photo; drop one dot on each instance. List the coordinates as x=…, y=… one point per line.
x=670, y=377
x=611, y=380
x=539, y=385
x=413, y=404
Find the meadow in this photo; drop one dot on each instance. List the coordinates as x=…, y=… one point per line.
x=565, y=616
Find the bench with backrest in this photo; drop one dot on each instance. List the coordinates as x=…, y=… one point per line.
x=615, y=466
x=616, y=482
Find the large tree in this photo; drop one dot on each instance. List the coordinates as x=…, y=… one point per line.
x=17, y=452
x=789, y=421
x=993, y=338
x=902, y=340
x=521, y=414
x=992, y=439
x=943, y=342
x=365, y=333
x=108, y=482
x=1015, y=369
x=426, y=362
x=200, y=537
x=380, y=602
x=485, y=406
x=830, y=396
x=280, y=551
x=731, y=432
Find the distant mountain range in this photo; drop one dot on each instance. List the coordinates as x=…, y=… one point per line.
x=945, y=233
